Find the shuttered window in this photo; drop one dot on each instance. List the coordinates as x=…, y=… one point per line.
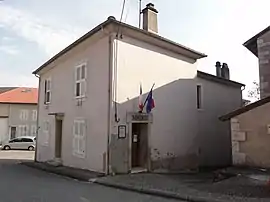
x=80, y=81
x=79, y=138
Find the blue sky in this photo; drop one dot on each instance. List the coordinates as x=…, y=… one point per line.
x=31, y=31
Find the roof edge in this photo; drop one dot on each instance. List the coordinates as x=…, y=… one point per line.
x=104, y=24
x=245, y=109
x=211, y=77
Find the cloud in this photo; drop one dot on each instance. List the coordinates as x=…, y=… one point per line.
x=18, y=80
x=11, y=50
x=50, y=38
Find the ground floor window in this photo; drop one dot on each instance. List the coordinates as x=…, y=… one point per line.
x=44, y=138
x=79, y=137
x=23, y=130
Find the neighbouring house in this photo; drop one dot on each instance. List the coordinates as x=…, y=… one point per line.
x=18, y=112
x=88, y=111
x=250, y=125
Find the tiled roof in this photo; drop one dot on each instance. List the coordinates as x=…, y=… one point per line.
x=5, y=89
x=22, y=95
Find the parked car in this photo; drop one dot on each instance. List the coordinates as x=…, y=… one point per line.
x=23, y=142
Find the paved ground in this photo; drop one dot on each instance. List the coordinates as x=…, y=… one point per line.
x=24, y=184
x=17, y=154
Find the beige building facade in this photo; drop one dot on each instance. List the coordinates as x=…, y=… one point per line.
x=88, y=102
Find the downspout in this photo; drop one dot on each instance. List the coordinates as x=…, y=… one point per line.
x=109, y=101
x=39, y=82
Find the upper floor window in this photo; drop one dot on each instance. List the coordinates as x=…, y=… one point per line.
x=80, y=81
x=199, y=96
x=34, y=115
x=47, y=91
x=24, y=115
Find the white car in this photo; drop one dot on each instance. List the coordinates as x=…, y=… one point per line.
x=23, y=142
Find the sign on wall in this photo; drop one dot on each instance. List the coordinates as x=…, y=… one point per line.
x=122, y=132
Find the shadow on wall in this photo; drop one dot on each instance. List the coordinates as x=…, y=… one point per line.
x=173, y=132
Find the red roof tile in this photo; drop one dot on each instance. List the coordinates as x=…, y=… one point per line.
x=22, y=95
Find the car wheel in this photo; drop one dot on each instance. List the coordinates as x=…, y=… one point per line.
x=6, y=147
x=31, y=148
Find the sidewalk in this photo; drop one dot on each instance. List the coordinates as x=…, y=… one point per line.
x=190, y=187
x=198, y=188
x=80, y=174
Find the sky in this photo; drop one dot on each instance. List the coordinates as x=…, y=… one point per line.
x=32, y=31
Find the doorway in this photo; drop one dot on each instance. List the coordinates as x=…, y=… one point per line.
x=139, y=145
x=58, y=137
x=12, y=132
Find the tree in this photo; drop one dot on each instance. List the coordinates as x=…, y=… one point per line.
x=254, y=92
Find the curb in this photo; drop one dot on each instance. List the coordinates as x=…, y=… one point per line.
x=58, y=172
x=154, y=192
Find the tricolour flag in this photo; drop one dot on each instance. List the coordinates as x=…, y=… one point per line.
x=141, y=99
x=150, y=102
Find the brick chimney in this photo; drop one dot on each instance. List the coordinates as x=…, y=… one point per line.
x=150, y=23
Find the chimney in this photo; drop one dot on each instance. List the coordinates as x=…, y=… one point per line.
x=150, y=23
x=225, y=71
x=218, y=69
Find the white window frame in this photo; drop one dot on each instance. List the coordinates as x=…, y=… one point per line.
x=79, y=138
x=34, y=115
x=81, y=81
x=199, y=105
x=23, y=130
x=45, y=133
x=47, y=90
x=24, y=114
x=33, y=130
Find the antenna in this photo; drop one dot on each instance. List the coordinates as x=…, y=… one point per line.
x=140, y=12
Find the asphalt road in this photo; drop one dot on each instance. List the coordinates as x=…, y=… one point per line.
x=23, y=184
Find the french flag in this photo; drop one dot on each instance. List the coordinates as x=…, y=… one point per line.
x=141, y=99
x=150, y=102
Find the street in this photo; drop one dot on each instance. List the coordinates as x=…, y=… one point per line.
x=24, y=184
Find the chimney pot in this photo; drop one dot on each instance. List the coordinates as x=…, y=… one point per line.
x=150, y=23
x=225, y=71
x=218, y=69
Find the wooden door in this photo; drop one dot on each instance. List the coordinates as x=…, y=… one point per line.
x=135, y=145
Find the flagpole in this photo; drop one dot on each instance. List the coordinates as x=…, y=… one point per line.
x=147, y=96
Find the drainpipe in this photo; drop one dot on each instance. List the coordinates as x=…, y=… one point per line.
x=109, y=101
x=39, y=82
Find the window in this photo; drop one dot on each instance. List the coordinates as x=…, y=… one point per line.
x=46, y=132
x=79, y=134
x=24, y=115
x=34, y=115
x=22, y=130
x=80, y=83
x=199, y=96
x=16, y=140
x=33, y=130
x=47, y=91
x=27, y=140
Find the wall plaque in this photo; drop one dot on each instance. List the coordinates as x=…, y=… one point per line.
x=122, y=132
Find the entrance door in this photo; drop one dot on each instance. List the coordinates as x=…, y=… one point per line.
x=139, y=145
x=58, y=137
x=12, y=132
x=135, y=145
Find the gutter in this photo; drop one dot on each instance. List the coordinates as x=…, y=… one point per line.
x=109, y=101
x=39, y=82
